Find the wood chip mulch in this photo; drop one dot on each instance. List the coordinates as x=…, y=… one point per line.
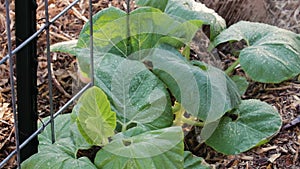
x=281, y=152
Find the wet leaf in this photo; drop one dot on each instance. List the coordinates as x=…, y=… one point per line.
x=189, y=10
x=241, y=83
x=272, y=55
x=161, y=148
x=204, y=91
x=136, y=94
x=61, y=129
x=252, y=124
x=61, y=154
x=145, y=27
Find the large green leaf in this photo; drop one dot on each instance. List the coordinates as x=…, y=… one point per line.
x=188, y=10
x=193, y=162
x=161, y=148
x=147, y=27
x=122, y=34
x=109, y=27
x=60, y=155
x=204, y=91
x=137, y=96
x=61, y=129
x=94, y=118
x=79, y=141
x=252, y=124
x=273, y=54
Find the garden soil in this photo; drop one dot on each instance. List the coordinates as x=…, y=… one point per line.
x=281, y=152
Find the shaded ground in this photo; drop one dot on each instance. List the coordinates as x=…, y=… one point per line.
x=281, y=152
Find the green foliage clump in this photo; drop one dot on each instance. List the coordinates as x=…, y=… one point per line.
x=138, y=67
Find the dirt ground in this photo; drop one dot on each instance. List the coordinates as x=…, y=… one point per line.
x=281, y=152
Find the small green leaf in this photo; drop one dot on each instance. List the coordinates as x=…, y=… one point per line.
x=241, y=83
x=61, y=154
x=252, y=124
x=193, y=162
x=273, y=54
x=94, y=118
x=161, y=148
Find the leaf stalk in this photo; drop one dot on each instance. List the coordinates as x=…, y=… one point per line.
x=231, y=68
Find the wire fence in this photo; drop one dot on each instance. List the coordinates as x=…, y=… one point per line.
x=14, y=95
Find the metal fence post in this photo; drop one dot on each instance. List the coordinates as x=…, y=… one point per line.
x=26, y=66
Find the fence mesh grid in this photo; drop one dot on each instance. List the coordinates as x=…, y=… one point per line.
x=9, y=58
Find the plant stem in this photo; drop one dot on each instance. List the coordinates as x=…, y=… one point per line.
x=179, y=111
x=176, y=108
x=230, y=69
x=124, y=127
x=186, y=52
x=192, y=122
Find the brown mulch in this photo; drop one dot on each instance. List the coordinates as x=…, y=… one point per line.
x=281, y=152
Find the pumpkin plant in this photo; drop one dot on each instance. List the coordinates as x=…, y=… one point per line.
x=139, y=66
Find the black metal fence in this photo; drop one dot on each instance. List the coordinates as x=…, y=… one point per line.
x=24, y=101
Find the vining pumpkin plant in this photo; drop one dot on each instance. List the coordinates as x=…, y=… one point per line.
x=141, y=63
